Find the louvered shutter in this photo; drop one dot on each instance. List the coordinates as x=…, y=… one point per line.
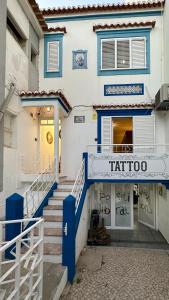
x=108, y=54
x=138, y=53
x=143, y=133
x=53, y=56
x=123, y=54
x=106, y=133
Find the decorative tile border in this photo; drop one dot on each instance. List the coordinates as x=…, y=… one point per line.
x=124, y=89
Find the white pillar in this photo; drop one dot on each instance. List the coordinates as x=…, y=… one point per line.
x=56, y=139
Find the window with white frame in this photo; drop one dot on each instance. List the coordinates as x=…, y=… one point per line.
x=53, y=56
x=123, y=53
x=9, y=127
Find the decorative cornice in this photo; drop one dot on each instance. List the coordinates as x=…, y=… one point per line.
x=56, y=29
x=124, y=25
x=104, y=8
x=121, y=106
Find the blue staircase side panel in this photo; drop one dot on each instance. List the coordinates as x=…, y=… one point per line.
x=14, y=211
x=68, y=252
x=80, y=208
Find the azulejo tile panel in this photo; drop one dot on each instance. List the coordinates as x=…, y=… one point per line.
x=124, y=89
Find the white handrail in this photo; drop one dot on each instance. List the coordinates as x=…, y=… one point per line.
x=37, y=191
x=78, y=185
x=26, y=268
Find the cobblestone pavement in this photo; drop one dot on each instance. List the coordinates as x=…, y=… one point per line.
x=121, y=273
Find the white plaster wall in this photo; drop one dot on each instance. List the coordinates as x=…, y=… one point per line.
x=84, y=87
x=163, y=213
x=82, y=233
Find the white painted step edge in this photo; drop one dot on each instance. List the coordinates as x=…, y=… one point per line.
x=53, y=239
x=55, y=259
x=53, y=224
x=54, y=212
x=55, y=202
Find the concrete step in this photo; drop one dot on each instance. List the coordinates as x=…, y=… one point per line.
x=57, y=198
x=53, y=224
x=65, y=186
x=52, y=218
x=53, y=239
x=54, y=207
x=52, y=249
x=50, y=231
x=54, y=259
x=61, y=193
x=55, y=202
x=48, y=212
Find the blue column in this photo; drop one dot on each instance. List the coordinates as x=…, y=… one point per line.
x=14, y=211
x=68, y=252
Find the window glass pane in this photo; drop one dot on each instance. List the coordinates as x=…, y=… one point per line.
x=50, y=122
x=43, y=122
x=138, y=53
x=122, y=134
x=108, y=54
x=123, y=54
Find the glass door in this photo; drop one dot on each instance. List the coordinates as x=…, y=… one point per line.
x=105, y=204
x=123, y=206
x=147, y=205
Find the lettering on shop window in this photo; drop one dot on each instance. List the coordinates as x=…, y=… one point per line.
x=128, y=166
x=104, y=197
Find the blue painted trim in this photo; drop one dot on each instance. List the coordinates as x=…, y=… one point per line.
x=124, y=85
x=85, y=157
x=47, y=99
x=92, y=181
x=14, y=211
x=123, y=34
x=50, y=38
x=69, y=239
x=105, y=16
x=118, y=113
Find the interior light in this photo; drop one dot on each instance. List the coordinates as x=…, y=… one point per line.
x=48, y=108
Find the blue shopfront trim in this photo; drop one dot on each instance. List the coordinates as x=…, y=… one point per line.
x=110, y=34
x=51, y=38
x=118, y=113
x=105, y=16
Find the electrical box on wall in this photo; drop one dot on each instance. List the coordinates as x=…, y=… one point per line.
x=162, y=98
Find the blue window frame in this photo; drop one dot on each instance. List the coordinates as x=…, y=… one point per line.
x=55, y=43
x=124, y=36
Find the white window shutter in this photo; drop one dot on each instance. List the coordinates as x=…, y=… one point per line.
x=123, y=54
x=108, y=54
x=138, y=49
x=143, y=133
x=106, y=133
x=53, y=56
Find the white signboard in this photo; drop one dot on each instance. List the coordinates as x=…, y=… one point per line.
x=128, y=166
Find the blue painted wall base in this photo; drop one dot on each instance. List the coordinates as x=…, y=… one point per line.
x=14, y=211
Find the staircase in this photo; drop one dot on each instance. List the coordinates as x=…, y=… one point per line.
x=53, y=217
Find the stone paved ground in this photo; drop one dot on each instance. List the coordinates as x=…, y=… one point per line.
x=106, y=273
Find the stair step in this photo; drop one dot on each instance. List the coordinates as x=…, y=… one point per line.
x=52, y=249
x=54, y=259
x=48, y=212
x=57, y=198
x=53, y=225
x=53, y=218
x=66, y=190
x=54, y=207
x=53, y=239
x=65, y=186
x=55, y=202
x=50, y=231
x=61, y=194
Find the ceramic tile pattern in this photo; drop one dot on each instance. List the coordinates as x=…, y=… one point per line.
x=124, y=273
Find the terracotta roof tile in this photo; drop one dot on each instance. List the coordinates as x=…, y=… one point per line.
x=38, y=14
x=116, y=106
x=30, y=94
x=104, y=8
x=56, y=29
x=123, y=25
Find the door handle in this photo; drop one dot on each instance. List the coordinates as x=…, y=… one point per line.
x=65, y=229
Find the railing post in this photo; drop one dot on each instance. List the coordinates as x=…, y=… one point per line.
x=85, y=157
x=69, y=237
x=14, y=211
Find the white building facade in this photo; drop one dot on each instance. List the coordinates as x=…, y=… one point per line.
x=86, y=83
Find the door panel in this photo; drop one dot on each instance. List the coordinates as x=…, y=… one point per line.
x=147, y=205
x=123, y=206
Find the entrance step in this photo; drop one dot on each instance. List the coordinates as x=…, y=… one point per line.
x=65, y=186
x=54, y=207
x=55, y=202
x=48, y=212
x=61, y=193
x=52, y=218
x=50, y=231
x=52, y=249
x=53, y=225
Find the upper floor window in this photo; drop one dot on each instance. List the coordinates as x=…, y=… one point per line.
x=53, y=55
x=124, y=52
x=16, y=32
